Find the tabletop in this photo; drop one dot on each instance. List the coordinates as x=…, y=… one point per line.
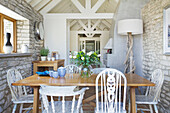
x=77, y=80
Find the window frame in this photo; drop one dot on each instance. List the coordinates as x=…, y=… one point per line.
x=2, y=17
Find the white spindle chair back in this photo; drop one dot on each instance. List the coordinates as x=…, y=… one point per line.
x=17, y=91
x=157, y=78
x=109, y=84
x=72, y=69
x=63, y=91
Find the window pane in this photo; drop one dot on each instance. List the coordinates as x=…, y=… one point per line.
x=8, y=28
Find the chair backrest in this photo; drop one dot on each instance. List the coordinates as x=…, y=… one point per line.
x=61, y=91
x=108, y=90
x=157, y=78
x=72, y=69
x=17, y=91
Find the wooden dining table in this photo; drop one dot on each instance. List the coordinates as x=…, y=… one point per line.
x=133, y=81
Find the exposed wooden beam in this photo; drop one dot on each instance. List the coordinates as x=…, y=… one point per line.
x=97, y=5
x=81, y=16
x=51, y=5
x=88, y=5
x=82, y=24
x=89, y=23
x=106, y=23
x=78, y=5
x=28, y=1
x=73, y=22
x=33, y=3
x=96, y=24
x=41, y=4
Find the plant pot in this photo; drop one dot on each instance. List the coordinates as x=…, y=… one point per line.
x=43, y=58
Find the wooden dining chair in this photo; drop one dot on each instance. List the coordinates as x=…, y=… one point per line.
x=109, y=97
x=72, y=69
x=64, y=106
x=19, y=93
x=152, y=95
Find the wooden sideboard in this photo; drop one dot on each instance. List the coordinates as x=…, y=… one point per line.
x=55, y=64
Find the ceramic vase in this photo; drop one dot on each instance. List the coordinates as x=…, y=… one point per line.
x=24, y=48
x=8, y=46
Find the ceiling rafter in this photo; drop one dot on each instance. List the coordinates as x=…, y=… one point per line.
x=51, y=5
x=88, y=8
x=41, y=4
x=106, y=23
x=28, y=1
x=33, y=3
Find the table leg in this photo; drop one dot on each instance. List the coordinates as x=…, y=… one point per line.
x=133, y=99
x=36, y=100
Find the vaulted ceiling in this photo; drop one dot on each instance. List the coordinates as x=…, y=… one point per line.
x=81, y=7
x=67, y=6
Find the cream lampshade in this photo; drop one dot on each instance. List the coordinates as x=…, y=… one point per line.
x=109, y=44
x=134, y=26
x=130, y=27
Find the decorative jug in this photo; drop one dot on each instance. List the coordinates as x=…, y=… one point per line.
x=61, y=71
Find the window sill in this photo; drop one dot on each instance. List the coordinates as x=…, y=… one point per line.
x=2, y=55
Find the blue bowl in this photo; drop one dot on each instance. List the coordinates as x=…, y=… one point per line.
x=61, y=71
x=55, y=74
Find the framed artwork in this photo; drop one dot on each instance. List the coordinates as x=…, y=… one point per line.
x=166, y=31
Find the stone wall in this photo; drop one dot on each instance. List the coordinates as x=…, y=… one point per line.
x=24, y=9
x=153, y=57
x=23, y=64
x=25, y=35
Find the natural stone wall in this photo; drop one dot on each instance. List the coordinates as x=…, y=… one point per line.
x=25, y=35
x=23, y=64
x=24, y=9
x=153, y=57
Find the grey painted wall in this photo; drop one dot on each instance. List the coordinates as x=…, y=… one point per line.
x=128, y=9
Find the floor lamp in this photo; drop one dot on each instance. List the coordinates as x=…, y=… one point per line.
x=130, y=27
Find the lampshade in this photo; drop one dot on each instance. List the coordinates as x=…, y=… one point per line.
x=134, y=26
x=109, y=44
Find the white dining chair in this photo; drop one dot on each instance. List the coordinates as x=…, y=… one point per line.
x=109, y=97
x=19, y=93
x=152, y=95
x=97, y=70
x=72, y=106
x=72, y=69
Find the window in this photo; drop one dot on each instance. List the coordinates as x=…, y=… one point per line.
x=7, y=24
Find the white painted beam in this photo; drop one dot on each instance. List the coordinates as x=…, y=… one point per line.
x=73, y=22
x=34, y=2
x=106, y=23
x=51, y=5
x=97, y=5
x=88, y=5
x=80, y=16
x=41, y=4
x=95, y=25
x=78, y=5
x=82, y=24
x=28, y=1
x=89, y=23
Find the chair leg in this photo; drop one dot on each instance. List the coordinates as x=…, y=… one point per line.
x=21, y=106
x=151, y=110
x=156, y=109
x=81, y=110
x=14, y=109
x=129, y=107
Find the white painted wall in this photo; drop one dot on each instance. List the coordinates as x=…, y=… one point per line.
x=55, y=35
x=73, y=41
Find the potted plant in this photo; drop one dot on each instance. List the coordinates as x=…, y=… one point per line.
x=44, y=52
x=85, y=61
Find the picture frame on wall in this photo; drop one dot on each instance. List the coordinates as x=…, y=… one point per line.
x=166, y=30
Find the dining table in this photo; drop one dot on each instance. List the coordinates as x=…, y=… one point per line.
x=133, y=81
